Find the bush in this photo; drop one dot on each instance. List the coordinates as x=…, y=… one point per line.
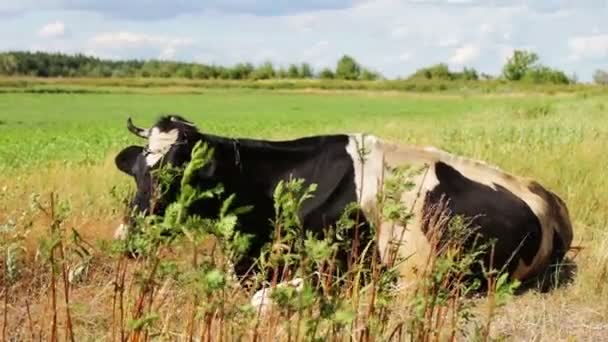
x=327, y=74
x=264, y=72
x=293, y=71
x=368, y=75
x=306, y=71
x=543, y=74
x=435, y=72
x=470, y=74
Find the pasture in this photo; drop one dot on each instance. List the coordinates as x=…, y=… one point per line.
x=65, y=143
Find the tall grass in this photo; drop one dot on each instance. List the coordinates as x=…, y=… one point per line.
x=305, y=299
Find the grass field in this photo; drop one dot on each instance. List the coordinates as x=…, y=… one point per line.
x=66, y=143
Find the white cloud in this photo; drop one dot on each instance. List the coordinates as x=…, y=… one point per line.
x=55, y=29
x=120, y=43
x=400, y=32
x=486, y=28
x=405, y=57
x=588, y=47
x=127, y=39
x=460, y=2
x=448, y=42
x=465, y=54
x=316, y=50
x=168, y=52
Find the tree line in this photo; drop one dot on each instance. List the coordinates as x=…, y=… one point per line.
x=521, y=66
x=42, y=64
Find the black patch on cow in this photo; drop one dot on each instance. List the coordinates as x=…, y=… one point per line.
x=125, y=160
x=497, y=214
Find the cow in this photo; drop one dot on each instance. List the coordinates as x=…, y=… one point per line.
x=529, y=225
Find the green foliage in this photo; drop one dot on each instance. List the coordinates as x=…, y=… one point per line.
x=441, y=72
x=523, y=66
x=264, y=72
x=347, y=68
x=306, y=71
x=543, y=74
x=8, y=64
x=435, y=72
x=469, y=74
x=43, y=64
x=293, y=71
x=327, y=74
x=369, y=75
x=519, y=64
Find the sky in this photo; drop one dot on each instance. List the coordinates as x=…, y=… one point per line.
x=393, y=37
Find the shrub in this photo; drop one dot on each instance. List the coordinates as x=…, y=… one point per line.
x=327, y=74
x=543, y=74
x=435, y=72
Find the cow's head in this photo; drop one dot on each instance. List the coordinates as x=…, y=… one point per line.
x=169, y=141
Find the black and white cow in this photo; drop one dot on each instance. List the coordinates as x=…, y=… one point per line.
x=531, y=225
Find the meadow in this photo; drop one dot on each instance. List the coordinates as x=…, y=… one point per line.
x=65, y=143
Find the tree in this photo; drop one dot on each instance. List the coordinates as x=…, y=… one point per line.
x=306, y=71
x=327, y=74
x=293, y=72
x=264, y=72
x=200, y=72
x=8, y=64
x=184, y=71
x=241, y=71
x=281, y=73
x=519, y=64
x=600, y=77
x=470, y=74
x=347, y=68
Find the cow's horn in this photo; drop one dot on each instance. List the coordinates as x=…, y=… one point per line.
x=140, y=132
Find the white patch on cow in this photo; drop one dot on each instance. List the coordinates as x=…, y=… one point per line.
x=159, y=144
x=540, y=208
x=367, y=161
x=372, y=160
x=121, y=232
x=261, y=299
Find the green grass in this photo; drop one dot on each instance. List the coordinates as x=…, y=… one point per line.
x=82, y=128
x=66, y=143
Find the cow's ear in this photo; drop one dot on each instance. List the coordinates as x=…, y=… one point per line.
x=125, y=159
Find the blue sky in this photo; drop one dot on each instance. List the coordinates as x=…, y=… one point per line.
x=394, y=37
